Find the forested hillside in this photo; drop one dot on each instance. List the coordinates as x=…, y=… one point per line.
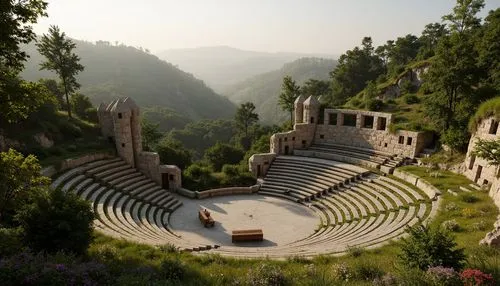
x=112, y=71
x=222, y=66
x=263, y=90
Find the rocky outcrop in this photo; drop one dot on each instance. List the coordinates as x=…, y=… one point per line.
x=43, y=140
x=492, y=238
x=414, y=76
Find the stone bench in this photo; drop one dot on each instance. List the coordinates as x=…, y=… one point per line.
x=247, y=235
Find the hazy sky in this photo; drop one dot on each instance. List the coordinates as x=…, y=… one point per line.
x=313, y=26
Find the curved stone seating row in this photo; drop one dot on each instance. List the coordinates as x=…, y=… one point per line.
x=367, y=157
x=126, y=203
x=354, y=210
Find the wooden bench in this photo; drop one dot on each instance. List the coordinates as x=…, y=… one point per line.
x=248, y=235
x=206, y=219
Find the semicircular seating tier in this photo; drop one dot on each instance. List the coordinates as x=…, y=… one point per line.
x=355, y=208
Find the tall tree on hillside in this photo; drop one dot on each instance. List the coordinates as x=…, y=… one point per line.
x=246, y=116
x=454, y=73
x=404, y=50
x=316, y=87
x=289, y=92
x=355, y=68
x=488, y=47
x=58, y=50
x=429, y=39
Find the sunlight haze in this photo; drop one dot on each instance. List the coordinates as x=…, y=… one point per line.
x=316, y=26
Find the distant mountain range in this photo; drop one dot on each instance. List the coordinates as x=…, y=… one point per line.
x=264, y=89
x=222, y=66
x=112, y=71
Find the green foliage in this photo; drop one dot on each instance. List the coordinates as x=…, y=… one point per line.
x=316, y=88
x=468, y=198
x=80, y=104
x=464, y=13
x=411, y=99
x=488, y=150
x=374, y=104
x=355, y=68
x=429, y=39
x=266, y=274
x=57, y=221
x=198, y=177
x=172, y=152
x=199, y=136
x=289, y=92
x=427, y=247
x=371, y=91
x=172, y=270
x=10, y=241
x=485, y=110
x=150, y=134
x=489, y=49
x=17, y=17
x=21, y=181
x=246, y=116
x=58, y=51
x=221, y=154
x=455, y=138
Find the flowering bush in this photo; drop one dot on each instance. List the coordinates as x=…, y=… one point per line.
x=451, y=225
x=472, y=277
x=341, y=272
x=470, y=213
x=28, y=269
x=266, y=274
x=451, y=207
x=440, y=275
x=479, y=226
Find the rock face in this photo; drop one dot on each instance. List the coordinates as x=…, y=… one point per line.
x=414, y=76
x=43, y=140
x=492, y=238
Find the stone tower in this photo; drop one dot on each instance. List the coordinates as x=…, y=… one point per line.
x=299, y=108
x=126, y=128
x=311, y=110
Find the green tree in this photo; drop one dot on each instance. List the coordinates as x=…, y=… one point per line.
x=173, y=152
x=355, y=68
x=17, y=17
x=55, y=89
x=58, y=51
x=405, y=49
x=221, y=154
x=316, y=88
x=429, y=39
x=464, y=13
x=428, y=247
x=18, y=98
x=488, y=150
x=150, y=134
x=289, y=92
x=488, y=46
x=80, y=105
x=57, y=221
x=21, y=179
x=246, y=116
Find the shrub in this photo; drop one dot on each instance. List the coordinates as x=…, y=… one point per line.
x=479, y=226
x=440, y=275
x=26, y=268
x=106, y=253
x=91, y=115
x=10, y=241
x=72, y=148
x=169, y=248
x=173, y=270
x=476, y=277
x=356, y=102
x=470, y=213
x=355, y=251
x=411, y=99
x=266, y=274
x=69, y=129
x=428, y=247
x=451, y=225
x=468, y=198
x=68, y=218
x=386, y=280
x=365, y=270
x=374, y=104
x=341, y=272
x=451, y=207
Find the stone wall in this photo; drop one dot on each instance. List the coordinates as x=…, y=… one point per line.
x=371, y=131
x=431, y=191
x=227, y=192
x=148, y=164
x=258, y=164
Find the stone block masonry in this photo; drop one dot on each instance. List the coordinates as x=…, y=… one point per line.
x=120, y=122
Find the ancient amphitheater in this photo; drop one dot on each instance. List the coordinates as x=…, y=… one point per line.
x=323, y=188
